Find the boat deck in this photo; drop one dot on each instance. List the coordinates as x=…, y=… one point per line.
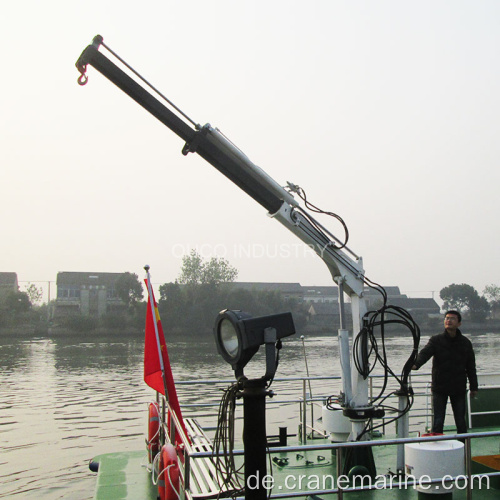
x=301, y=471
x=318, y=472
x=124, y=476
x=307, y=467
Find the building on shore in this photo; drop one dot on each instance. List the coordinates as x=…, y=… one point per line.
x=322, y=301
x=88, y=294
x=287, y=290
x=94, y=294
x=8, y=283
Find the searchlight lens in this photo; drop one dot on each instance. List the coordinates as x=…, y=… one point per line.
x=229, y=338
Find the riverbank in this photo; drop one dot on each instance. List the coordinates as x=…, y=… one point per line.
x=489, y=326
x=43, y=331
x=46, y=331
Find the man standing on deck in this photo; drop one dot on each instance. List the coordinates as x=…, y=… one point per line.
x=453, y=363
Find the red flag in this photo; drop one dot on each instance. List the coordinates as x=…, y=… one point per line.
x=153, y=375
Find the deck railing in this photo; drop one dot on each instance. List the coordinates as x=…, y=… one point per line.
x=494, y=404
x=340, y=448
x=307, y=405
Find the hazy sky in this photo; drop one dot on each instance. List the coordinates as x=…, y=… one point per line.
x=385, y=112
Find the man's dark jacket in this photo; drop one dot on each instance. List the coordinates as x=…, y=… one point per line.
x=452, y=365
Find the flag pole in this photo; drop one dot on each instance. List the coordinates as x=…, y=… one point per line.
x=158, y=344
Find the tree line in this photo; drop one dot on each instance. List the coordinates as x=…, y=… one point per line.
x=204, y=288
x=466, y=299
x=187, y=306
x=190, y=304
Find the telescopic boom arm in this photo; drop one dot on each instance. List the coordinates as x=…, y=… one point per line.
x=215, y=148
x=345, y=267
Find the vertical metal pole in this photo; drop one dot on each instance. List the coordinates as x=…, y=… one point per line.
x=309, y=383
x=402, y=432
x=304, y=412
x=187, y=471
x=342, y=317
x=427, y=406
x=48, y=302
x=340, y=494
x=283, y=436
x=359, y=384
x=370, y=391
x=163, y=420
x=468, y=467
x=469, y=409
x=254, y=438
x=312, y=411
x=345, y=357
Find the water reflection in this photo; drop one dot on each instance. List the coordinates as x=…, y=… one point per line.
x=64, y=401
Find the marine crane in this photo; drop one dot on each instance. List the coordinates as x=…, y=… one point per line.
x=345, y=267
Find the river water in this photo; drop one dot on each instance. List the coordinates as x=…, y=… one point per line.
x=65, y=400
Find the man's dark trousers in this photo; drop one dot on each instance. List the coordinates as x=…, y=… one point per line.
x=457, y=401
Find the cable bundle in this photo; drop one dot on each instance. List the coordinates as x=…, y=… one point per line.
x=366, y=346
x=227, y=472
x=294, y=188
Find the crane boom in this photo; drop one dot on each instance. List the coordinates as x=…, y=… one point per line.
x=344, y=265
x=216, y=149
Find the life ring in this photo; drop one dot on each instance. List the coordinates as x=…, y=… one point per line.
x=168, y=479
x=153, y=430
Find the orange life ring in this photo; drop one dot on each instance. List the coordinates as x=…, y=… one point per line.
x=168, y=479
x=153, y=430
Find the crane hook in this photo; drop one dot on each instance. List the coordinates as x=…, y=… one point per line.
x=83, y=78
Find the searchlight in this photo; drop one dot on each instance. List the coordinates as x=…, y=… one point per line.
x=238, y=337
